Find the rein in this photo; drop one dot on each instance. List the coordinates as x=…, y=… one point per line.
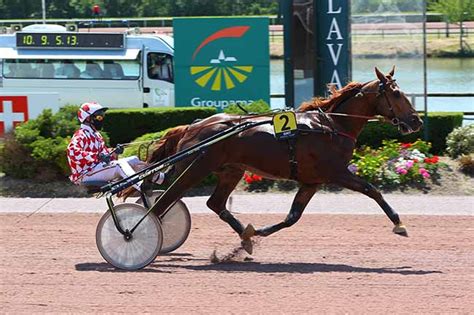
x=381, y=90
x=376, y=117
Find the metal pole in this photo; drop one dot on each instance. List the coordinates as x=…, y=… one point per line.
x=43, y=5
x=425, y=81
x=287, y=11
x=461, y=48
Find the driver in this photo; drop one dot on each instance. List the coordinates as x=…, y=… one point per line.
x=88, y=157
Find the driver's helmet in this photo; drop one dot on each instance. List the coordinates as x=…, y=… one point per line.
x=88, y=109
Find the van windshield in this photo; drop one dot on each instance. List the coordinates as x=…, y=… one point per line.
x=71, y=69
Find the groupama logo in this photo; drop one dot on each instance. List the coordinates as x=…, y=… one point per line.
x=222, y=72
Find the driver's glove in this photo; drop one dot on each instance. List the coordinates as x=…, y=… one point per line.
x=104, y=158
x=118, y=149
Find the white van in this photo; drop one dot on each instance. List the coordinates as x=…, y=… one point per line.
x=51, y=67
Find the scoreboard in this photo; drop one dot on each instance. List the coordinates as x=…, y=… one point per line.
x=70, y=40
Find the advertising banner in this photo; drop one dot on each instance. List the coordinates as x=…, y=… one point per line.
x=221, y=61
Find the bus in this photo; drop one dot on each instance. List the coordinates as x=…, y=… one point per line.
x=45, y=66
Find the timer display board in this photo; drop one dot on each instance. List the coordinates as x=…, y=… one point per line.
x=70, y=40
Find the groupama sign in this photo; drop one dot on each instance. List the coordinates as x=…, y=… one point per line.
x=221, y=61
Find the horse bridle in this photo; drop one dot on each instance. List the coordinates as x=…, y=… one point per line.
x=381, y=91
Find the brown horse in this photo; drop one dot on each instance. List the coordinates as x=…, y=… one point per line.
x=327, y=131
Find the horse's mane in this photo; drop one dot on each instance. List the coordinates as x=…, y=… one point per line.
x=337, y=97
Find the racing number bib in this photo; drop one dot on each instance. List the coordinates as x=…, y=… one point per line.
x=284, y=125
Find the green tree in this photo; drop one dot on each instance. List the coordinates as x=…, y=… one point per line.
x=455, y=11
x=154, y=8
x=20, y=9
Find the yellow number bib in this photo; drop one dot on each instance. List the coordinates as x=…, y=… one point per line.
x=285, y=125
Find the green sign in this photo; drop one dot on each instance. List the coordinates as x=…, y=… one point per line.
x=221, y=61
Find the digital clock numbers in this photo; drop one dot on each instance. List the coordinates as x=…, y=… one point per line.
x=70, y=40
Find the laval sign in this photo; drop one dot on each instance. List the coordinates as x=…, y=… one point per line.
x=221, y=61
x=332, y=46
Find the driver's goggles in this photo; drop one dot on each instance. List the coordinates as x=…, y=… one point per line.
x=99, y=117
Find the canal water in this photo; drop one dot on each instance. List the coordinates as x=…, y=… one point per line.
x=447, y=75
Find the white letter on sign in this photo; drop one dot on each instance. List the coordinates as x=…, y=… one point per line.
x=330, y=10
x=334, y=28
x=335, y=57
x=335, y=79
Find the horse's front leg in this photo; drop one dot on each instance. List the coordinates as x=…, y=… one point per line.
x=353, y=182
x=303, y=196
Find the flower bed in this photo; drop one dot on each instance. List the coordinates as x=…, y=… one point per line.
x=396, y=164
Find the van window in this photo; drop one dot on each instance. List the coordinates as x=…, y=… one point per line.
x=71, y=69
x=160, y=67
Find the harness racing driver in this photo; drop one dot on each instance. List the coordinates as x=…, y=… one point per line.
x=89, y=158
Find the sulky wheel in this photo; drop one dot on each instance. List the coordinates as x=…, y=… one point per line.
x=142, y=247
x=176, y=223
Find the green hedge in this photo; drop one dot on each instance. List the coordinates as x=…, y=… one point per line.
x=440, y=124
x=37, y=148
x=124, y=125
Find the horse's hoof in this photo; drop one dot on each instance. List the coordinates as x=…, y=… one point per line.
x=400, y=229
x=247, y=245
x=248, y=232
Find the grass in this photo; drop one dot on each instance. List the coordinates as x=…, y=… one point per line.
x=379, y=46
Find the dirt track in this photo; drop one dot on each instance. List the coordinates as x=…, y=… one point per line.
x=326, y=263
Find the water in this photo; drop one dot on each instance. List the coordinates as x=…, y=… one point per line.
x=448, y=75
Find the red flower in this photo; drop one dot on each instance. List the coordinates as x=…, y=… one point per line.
x=432, y=160
x=406, y=145
x=250, y=178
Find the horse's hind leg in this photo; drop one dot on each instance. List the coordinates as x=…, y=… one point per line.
x=303, y=196
x=353, y=182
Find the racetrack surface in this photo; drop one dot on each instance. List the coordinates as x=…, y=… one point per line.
x=326, y=263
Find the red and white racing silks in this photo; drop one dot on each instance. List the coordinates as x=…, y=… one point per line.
x=83, y=151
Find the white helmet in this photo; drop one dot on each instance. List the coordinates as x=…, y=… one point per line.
x=88, y=109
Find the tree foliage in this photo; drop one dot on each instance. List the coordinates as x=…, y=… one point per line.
x=21, y=9
x=454, y=10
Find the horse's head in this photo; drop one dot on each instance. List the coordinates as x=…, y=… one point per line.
x=392, y=103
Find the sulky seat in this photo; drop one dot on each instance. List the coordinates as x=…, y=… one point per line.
x=93, y=187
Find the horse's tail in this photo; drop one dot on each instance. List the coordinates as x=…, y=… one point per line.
x=166, y=146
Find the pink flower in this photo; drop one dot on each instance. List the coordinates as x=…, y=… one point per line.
x=424, y=173
x=401, y=170
x=409, y=164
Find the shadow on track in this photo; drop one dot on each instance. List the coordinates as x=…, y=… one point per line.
x=303, y=268
x=299, y=268
x=171, y=257
x=106, y=267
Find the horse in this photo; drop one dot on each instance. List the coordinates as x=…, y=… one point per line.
x=320, y=153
